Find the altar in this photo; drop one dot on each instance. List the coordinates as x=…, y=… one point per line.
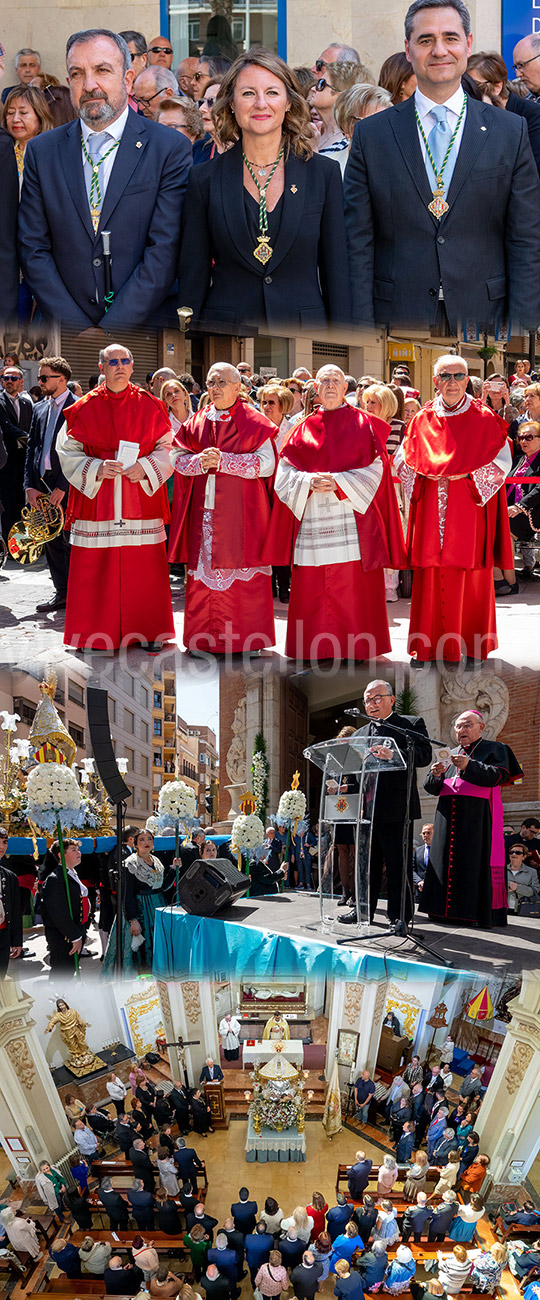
x=268, y=1145
x=264, y=1050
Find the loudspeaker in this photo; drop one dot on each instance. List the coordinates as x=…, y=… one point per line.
x=100, y=735
x=206, y=887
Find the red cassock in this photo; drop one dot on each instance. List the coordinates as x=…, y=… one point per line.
x=220, y=521
x=458, y=530
x=118, y=589
x=339, y=546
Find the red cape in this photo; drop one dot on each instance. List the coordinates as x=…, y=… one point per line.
x=333, y=442
x=475, y=537
x=242, y=505
x=100, y=421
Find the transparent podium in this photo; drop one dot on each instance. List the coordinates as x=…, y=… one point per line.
x=350, y=769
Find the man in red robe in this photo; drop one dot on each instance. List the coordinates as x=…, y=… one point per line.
x=115, y=452
x=453, y=463
x=225, y=457
x=338, y=522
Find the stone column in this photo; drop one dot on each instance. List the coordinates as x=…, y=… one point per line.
x=30, y=1108
x=509, y=1119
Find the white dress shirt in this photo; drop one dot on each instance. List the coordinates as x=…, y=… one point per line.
x=115, y=130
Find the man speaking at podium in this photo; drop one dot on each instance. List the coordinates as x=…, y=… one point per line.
x=390, y=812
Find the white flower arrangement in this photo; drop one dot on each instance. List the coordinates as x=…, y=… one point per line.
x=247, y=832
x=177, y=801
x=152, y=825
x=259, y=772
x=291, y=807
x=53, y=794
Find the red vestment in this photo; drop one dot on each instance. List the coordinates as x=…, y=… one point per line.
x=458, y=530
x=337, y=609
x=118, y=589
x=219, y=527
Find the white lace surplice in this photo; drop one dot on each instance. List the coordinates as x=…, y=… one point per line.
x=81, y=471
x=259, y=464
x=328, y=532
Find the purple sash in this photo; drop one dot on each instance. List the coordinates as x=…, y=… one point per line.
x=455, y=786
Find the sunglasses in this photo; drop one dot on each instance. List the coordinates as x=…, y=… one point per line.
x=42, y=379
x=160, y=49
x=118, y=361
x=320, y=64
x=322, y=83
x=209, y=102
x=528, y=437
x=198, y=76
x=446, y=376
x=136, y=55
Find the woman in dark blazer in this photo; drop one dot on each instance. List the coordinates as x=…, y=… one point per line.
x=263, y=231
x=523, y=501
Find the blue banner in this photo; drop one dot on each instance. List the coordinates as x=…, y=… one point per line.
x=519, y=18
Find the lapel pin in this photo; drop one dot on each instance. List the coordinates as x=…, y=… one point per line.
x=139, y=142
x=294, y=189
x=483, y=128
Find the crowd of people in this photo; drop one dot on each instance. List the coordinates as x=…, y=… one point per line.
x=361, y=1242
x=235, y=177
x=252, y=489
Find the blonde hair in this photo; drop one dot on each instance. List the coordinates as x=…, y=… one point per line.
x=284, y=396
x=297, y=132
x=421, y=1158
x=384, y=395
x=344, y=73
x=499, y=1252
x=354, y=103
x=300, y=1216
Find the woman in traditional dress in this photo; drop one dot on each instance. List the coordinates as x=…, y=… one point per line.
x=202, y=1114
x=143, y=894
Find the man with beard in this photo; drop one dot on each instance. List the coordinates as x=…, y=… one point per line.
x=114, y=451
x=453, y=463
x=111, y=170
x=225, y=457
x=390, y=810
x=465, y=878
x=337, y=522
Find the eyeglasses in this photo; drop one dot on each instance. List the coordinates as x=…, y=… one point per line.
x=118, y=361
x=320, y=64
x=198, y=76
x=209, y=102
x=446, y=376
x=322, y=83
x=217, y=383
x=518, y=67
x=375, y=699
x=140, y=100
x=528, y=437
x=138, y=55
x=160, y=49
x=10, y=379
x=42, y=379
x=516, y=853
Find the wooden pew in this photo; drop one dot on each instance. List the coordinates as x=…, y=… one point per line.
x=432, y=1174
x=120, y=1240
x=116, y=1166
x=522, y=1230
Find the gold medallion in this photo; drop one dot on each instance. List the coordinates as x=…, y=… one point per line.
x=263, y=252
x=438, y=205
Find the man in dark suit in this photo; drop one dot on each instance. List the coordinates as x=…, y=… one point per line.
x=114, y=1205
x=9, y=267
x=199, y=1215
x=210, y=1073
x=42, y=472
x=439, y=244
x=11, y=913
x=124, y=1133
x=225, y=1260
x=358, y=1176
x=235, y=1240
x=16, y=409
x=305, y=1277
x=100, y=1122
x=244, y=1212
x=258, y=1245
x=442, y=1216
x=216, y=1285
x=421, y=859
x=122, y=1279
x=143, y=1204
x=390, y=811
x=416, y=1218
x=142, y=1164
x=406, y=1143
x=179, y=1099
x=113, y=171
x=338, y=1216
x=188, y=1163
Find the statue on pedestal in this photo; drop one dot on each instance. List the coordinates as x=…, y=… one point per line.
x=73, y=1028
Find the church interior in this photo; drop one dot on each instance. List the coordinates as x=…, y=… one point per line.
x=282, y=1116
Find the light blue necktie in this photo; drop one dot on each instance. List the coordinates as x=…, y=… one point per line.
x=49, y=435
x=438, y=139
